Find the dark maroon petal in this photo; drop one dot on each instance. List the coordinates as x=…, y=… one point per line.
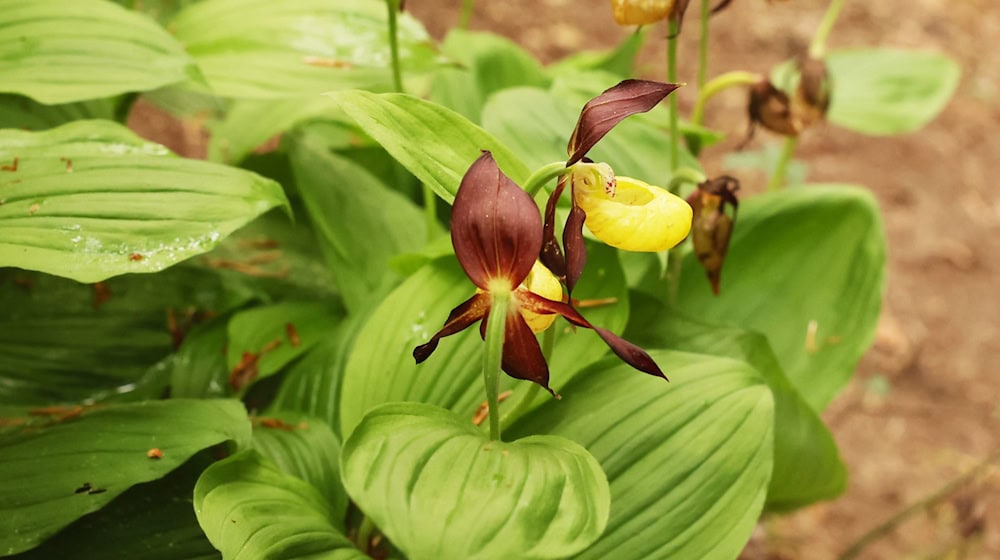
x=721, y=6
x=460, y=318
x=576, y=251
x=495, y=226
x=552, y=256
x=522, y=356
x=630, y=353
x=603, y=112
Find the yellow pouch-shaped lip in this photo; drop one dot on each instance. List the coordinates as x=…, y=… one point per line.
x=640, y=12
x=541, y=281
x=636, y=216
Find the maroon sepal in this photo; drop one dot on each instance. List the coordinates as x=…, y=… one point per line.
x=628, y=352
x=603, y=112
x=522, y=356
x=551, y=255
x=576, y=251
x=460, y=318
x=711, y=227
x=677, y=16
x=495, y=226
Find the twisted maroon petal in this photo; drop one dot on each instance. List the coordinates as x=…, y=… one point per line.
x=522, y=356
x=628, y=352
x=495, y=226
x=605, y=111
x=552, y=256
x=460, y=318
x=576, y=251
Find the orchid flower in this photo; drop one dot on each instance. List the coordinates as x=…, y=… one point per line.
x=623, y=212
x=496, y=231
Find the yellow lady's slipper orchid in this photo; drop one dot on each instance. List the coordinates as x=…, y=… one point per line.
x=641, y=12
x=628, y=213
x=542, y=282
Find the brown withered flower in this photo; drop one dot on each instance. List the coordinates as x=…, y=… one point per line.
x=712, y=226
x=812, y=96
x=497, y=235
x=772, y=108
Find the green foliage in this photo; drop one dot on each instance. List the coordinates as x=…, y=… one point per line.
x=67, y=466
x=439, y=488
x=58, y=52
x=90, y=200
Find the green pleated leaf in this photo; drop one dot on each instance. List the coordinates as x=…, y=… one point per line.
x=537, y=124
x=276, y=334
x=688, y=461
x=90, y=200
x=57, y=52
x=806, y=268
x=160, y=10
x=889, y=91
x=261, y=49
x=807, y=464
x=434, y=143
x=61, y=341
x=347, y=204
x=305, y=448
x=439, y=488
x=198, y=370
x=18, y=111
x=380, y=367
x=250, y=509
x=57, y=468
x=150, y=521
x=488, y=64
x=883, y=91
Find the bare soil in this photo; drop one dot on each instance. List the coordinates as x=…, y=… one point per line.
x=924, y=407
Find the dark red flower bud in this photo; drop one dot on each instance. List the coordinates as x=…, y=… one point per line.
x=770, y=107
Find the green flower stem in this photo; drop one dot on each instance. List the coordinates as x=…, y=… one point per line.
x=466, y=15
x=493, y=358
x=520, y=405
x=685, y=175
x=703, y=44
x=717, y=85
x=364, y=536
x=817, y=48
x=397, y=75
x=675, y=137
x=544, y=174
x=777, y=181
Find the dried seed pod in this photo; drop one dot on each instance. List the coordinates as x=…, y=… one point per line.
x=812, y=97
x=712, y=226
x=770, y=107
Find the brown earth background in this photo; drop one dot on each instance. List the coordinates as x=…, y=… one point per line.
x=924, y=407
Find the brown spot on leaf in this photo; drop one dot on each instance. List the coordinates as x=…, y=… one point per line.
x=327, y=62
x=102, y=294
x=293, y=335
x=10, y=167
x=135, y=257
x=33, y=208
x=154, y=453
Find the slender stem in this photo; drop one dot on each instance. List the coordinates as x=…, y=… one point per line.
x=466, y=15
x=364, y=535
x=909, y=511
x=817, y=48
x=685, y=175
x=519, y=406
x=703, y=44
x=544, y=174
x=719, y=84
x=777, y=181
x=675, y=150
x=499, y=305
x=397, y=75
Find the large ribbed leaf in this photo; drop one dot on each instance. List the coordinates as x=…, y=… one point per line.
x=688, y=461
x=90, y=200
x=806, y=268
x=348, y=204
x=266, y=49
x=439, y=488
x=60, y=466
x=807, y=465
x=306, y=448
x=434, y=143
x=250, y=509
x=57, y=51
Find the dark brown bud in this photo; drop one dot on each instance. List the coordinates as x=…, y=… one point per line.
x=770, y=107
x=712, y=227
x=812, y=97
